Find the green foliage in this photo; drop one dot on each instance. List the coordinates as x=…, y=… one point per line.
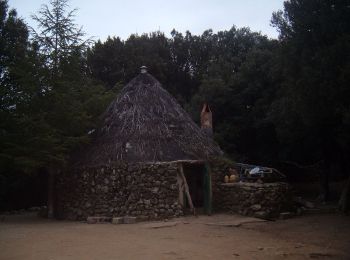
x=46, y=111
x=315, y=38
x=59, y=36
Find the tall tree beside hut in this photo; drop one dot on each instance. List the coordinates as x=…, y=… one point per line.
x=315, y=40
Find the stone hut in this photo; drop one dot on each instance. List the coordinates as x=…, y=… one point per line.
x=148, y=159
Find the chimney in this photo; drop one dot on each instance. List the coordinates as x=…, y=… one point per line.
x=207, y=120
x=143, y=69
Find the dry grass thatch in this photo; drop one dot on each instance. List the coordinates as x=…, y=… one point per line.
x=146, y=124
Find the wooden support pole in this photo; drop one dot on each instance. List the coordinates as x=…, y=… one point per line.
x=181, y=187
x=187, y=191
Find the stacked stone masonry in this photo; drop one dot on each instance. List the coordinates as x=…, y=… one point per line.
x=148, y=191
x=263, y=200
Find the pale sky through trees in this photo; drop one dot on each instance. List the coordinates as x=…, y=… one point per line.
x=122, y=18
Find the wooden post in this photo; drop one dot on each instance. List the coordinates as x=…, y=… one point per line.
x=181, y=185
x=187, y=191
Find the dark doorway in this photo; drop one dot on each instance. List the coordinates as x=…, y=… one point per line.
x=195, y=174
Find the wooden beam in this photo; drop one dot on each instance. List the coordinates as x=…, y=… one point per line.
x=181, y=187
x=187, y=191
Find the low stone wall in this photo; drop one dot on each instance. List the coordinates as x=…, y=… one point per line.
x=264, y=200
x=148, y=191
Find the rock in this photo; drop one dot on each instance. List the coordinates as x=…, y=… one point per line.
x=129, y=220
x=96, y=220
x=255, y=207
x=118, y=220
x=285, y=215
x=142, y=218
x=261, y=214
x=155, y=190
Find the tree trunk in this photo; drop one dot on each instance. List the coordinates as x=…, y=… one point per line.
x=345, y=198
x=50, y=195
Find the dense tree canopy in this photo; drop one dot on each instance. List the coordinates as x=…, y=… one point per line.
x=274, y=102
x=45, y=110
x=315, y=49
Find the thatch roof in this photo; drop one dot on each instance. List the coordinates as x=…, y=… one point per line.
x=146, y=124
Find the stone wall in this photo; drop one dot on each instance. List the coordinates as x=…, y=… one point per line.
x=148, y=191
x=219, y=168
x=264, y=200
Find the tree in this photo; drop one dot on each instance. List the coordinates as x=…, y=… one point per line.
x=107, y=62
x=21, y=94
x=61, y=42
x=69, y=91
x=315, y=36
x=20, y=89
x=13, y=48
x=59, y=36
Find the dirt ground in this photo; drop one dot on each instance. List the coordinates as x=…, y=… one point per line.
x=203, y=237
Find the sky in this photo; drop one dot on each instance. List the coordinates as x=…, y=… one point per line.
x=104, y=18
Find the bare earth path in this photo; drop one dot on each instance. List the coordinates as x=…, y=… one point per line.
x=226, y=237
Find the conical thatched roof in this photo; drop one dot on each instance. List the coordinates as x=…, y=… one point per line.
x=146, y=124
